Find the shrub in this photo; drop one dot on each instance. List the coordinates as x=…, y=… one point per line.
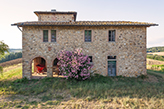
x=74, y=64
x=23, y=80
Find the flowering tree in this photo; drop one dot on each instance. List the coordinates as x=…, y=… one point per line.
x=74, y=64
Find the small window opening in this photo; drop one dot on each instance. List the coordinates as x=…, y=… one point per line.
x=53, y=35
x=111, y=57
x=111, y=35
x=45, y=35
x=90, y=58
x=88, y=36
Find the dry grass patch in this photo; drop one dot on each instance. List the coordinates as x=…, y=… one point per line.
x=157, y=53
x=12, y=62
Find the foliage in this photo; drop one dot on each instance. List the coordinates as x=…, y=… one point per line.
x=74, y=64
x=1, y=69
x=155, y=57
x=23, y=80
x=3, y=48
x=155, y=49
x=11, y=56
x=158, y=67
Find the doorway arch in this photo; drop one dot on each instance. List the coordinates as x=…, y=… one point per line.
x=55, y=67
x=38, y=67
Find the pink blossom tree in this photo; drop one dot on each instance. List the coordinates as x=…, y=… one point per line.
x=74, y=64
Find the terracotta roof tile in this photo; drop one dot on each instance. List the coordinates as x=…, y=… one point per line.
x=85, y=23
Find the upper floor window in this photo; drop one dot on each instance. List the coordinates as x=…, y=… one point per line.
x=53, y=35
x=112, y=34
x=45, y=35
x=88, y=36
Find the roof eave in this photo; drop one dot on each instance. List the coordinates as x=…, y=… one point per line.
x=21, y=25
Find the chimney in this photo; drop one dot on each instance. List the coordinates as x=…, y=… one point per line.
x=53, y=10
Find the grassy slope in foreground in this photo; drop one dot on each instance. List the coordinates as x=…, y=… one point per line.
x=98, y=92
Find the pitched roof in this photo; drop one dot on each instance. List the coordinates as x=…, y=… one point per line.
x=85, y=23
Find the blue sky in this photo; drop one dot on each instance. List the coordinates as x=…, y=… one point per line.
x=12, y=11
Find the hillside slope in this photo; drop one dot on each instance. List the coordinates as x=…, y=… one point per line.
x=155, y=49
x=12, y=62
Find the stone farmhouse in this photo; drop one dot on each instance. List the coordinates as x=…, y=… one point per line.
x=115, y=47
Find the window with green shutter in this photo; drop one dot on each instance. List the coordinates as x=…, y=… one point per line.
x=88, y=36
x=53, y=35
x=111, y=35
x=45, y=35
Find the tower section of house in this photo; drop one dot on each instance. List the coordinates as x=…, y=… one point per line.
x=115, y=47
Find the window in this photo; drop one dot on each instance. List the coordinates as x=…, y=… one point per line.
x=45, y=35
x=53, y=35
x=90, y=58
x=88, y=36
x=111, y=35
x=111, y=57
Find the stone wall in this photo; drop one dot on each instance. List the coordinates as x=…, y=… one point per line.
x=56, y=17
x=129, y=47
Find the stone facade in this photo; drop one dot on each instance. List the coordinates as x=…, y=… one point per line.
x=56, y=17
x=129, y=46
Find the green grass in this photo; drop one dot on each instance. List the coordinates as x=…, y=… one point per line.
x=50, y=92
x=11, y=73
x=155, y=71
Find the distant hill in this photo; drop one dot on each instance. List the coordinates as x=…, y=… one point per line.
x=13, y=54
x=156, y=53
x=155, y=49
x=15, y=50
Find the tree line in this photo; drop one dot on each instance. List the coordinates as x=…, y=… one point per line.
x=10, y=56
x=155, y=57
x=155, y=49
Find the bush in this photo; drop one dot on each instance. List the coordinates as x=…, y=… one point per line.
x=74, y=65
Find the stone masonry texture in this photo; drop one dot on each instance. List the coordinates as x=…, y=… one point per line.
x=56, y=17
x=129, y=47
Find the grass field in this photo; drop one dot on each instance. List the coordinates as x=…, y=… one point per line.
x=157, y=53
x=98, y=92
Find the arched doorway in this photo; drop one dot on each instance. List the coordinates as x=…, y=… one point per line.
x=55, y=68
x=38, y=68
